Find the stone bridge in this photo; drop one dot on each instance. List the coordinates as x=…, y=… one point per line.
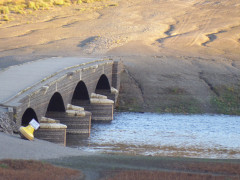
x=60, y=91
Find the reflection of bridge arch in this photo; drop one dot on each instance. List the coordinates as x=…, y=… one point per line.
x=28, y=115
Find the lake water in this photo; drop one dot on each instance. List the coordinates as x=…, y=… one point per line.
x=204, y=136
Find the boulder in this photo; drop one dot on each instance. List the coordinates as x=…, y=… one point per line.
x=6, y=124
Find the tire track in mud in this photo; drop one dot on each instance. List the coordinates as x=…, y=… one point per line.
x=209, y=19
x=26, y=23
x=183, y=24
x=185, y=21
x=30, y=32
x=34, y=45
x=200, y=32
x=169, y=31
x=69, y=24
x=213, y=36
x=161, y=40
x=65, y=21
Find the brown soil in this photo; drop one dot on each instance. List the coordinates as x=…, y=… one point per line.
x=35, y=170
x=156, y=175
x=120, y=167
x=180, y=171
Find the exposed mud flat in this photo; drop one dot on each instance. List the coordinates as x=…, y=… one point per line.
x=178, y=54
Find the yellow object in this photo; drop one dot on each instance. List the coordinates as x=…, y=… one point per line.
x=27, y=132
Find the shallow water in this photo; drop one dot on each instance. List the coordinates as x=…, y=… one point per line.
x=204, y=136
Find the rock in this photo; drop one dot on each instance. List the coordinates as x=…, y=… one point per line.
x=6, y=124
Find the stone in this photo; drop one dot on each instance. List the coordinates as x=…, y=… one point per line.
x=6, y=124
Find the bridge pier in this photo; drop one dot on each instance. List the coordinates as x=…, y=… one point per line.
x=77, y=121
x=55, y=82
x=100, y=107
x=51, y=130
x=112, y=94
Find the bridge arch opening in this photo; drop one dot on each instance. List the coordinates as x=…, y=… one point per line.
x=28, y=115
x=81, y=92
x=56, y=103
x=81, y=95
x=103, y=85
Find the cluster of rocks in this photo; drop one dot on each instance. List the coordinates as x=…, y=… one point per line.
x=6, y=124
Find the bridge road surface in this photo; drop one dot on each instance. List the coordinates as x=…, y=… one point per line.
x=17, y=78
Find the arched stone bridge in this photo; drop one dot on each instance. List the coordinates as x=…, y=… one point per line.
x=57, y=91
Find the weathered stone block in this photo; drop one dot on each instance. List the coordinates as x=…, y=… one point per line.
x=52, y=132
x=77, y=124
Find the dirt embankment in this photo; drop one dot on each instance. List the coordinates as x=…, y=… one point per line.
x=180, y=85
x=34, y=170
x=118, y=167
x=180, y=56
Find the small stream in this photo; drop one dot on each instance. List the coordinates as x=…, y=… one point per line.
x=201, y=136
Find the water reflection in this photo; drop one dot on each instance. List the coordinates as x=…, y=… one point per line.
x=210, y=136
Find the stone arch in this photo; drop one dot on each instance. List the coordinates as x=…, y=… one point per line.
x=80, y=95
x=28, y=115
x=56, y=103
x=103, y=85
x=81, y=92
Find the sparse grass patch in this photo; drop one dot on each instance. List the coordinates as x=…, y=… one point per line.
x=87, y=1
x=5, y=17
x=9, y=7
x=133, y=105
x=113, y=4
x=228, y=101
x=177, y=100
x=175, y=90
x=181, y=105
x=2, y=165
x=4, y=10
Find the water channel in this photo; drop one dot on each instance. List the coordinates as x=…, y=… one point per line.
x=201, y=136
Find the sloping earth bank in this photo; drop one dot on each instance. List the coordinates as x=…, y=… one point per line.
x=180, y=85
